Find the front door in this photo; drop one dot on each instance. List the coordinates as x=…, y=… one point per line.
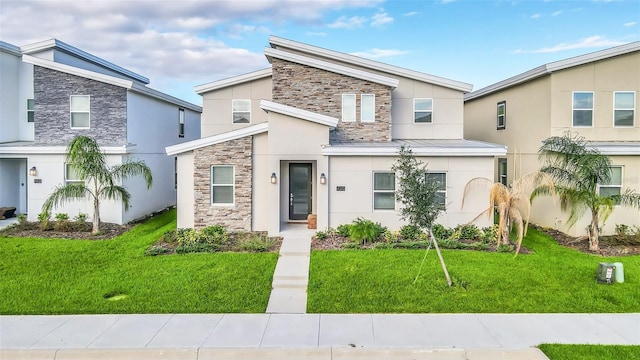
x=300, y=190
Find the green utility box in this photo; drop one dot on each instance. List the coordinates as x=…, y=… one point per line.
x=606, y=273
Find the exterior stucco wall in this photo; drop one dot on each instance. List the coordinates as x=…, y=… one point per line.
x=320, y=91
x=262, y=187
x=9, y=101
x=185, y=190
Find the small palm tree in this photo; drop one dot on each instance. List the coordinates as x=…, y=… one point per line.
x=512, y=202
x=100, y=181
x=577, y=170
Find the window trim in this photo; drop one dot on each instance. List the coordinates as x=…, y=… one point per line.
x=614, y=186
x=593, y=101
x=212, y=185
x=66, y=173
x=181, y=123
x=31, y=113
x=351, y=111
x=233, y=101
x=633, y=124
x=445, y=192
x=374, y=191
x=422, y=111
x=506, y=171
x=502, y=103
x=373, y=108
x=71, y=112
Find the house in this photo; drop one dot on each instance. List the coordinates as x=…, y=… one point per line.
x=51, y=92
x=317, y=133
x=592, y=95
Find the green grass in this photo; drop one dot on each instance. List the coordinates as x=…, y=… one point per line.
x=51, y=276
x=589, y=352
x=551, y=279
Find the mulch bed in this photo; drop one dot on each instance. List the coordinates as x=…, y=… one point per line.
x=611, y=245
x=31, y=229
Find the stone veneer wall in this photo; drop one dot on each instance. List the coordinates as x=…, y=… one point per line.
x=52, y=115
x=234, y=152
x=320, y=91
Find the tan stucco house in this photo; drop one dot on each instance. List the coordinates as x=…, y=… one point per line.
x=317, y=133
x=593, y=95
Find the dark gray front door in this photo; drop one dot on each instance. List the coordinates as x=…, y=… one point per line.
x=300, y=191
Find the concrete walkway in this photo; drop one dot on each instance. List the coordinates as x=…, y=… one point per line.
x=291, y=276
x=8, y=222
x=307, y=336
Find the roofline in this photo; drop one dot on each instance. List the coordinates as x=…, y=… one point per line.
x=371, y=64
x=10, y=48
x=298, y=113
x=220, y=84
x=33, y=150
x=613, y=149
x=335, y=68
x=217, y=139
x=555, y=66
x=108, y=79
x=55, y=43
x=419, y=151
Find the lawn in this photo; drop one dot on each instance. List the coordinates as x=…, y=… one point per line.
x=551, y=279
x=51, y=276
x=589, y=352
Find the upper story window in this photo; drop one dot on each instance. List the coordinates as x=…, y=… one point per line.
x=502, y=171
x=180, y=122
x=367, y=107
x=502, y=115
x=583, y=108
x=441, y=179
x=614, y=186
x=241, y=110
x=422, y=110
x=348, y=107
x=222, y=185
x=80, y=114
x=30, y=110
x=71, y=176
x=624, y=106
x=384, y=191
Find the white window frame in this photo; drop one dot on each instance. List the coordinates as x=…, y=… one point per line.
x=444, y=192
x=31, y=113
x=374, y=191
x=233, y=111
x=633, y=124
x=506, y=171
x=600, y=186
x=66, y=176
x=181, y=123
x=573, y=109
x=502, y=104
x=373, y=108
x=233, y=185
x=422, y=111
x=71, y=112
x=349, y=115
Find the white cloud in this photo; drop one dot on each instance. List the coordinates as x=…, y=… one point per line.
x=446, y=1
x=556, y=13
x=630, y=23
x=534, y=16
x=344, y=22
x=381, y=18
x=588, y=43
x=376, y=53
x=411, y=13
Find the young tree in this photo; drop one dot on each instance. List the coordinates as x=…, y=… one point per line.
x=577, y=170
x=100, y=181
x=418, y=194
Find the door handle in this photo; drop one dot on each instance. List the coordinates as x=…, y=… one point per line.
x=291, y=199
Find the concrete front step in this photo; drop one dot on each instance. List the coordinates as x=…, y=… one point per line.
x=292, y=267
x=287, y=301
x=296, y=246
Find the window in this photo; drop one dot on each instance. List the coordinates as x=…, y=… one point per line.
x=624, y=105
x=582, y=109
x=241, y=110
x=440, y=178
x=348, y=107
x=422, y=110
x=502, y=171
x=30, y=110
x=384, y=187
x=222, y=185
x=180, y=122
x=367, y=107
x=614, y=186
x=71, y=176
x=80, y=115
x=502, y=115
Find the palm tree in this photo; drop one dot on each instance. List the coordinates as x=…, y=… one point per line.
x=512, y=202
x=100, y=181
x=577, y=170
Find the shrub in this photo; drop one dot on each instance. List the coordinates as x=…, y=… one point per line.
x=505, y=248
x=62, y=217
x=45, y=220
x=440, y=232
x=321, y=235
x=410, y=232
x=344, y=230
x=469, y=232
x=170, y=237
x=22, y=219
x=391, y=236
x=214, y=235
x=257, y=244
x=489, y=234
x=363, y=231
x=622, y=229
x=81, y=217
x=194, y=248
x=154, y=250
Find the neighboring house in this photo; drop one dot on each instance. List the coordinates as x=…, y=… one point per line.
x=593, y=95
x=51, y=92
x=317, y=133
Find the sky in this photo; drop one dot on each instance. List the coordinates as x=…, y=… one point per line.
x=179, y=44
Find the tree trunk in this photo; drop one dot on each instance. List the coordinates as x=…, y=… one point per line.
x=96, y=216
x=444, y=266
x=594, y=234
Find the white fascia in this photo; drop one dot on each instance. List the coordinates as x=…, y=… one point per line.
x=612, y=150
x=393, y=151
x=10, y=48
x=220, y=84
x=56, y=150
x=335, y=68
x=165, y=97
x=298, y=113
x=217, y=139
x=77, y=71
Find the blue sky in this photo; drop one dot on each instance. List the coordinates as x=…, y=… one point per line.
x=180, y=44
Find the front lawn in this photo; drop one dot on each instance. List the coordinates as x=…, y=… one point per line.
x=589, y=352
x=552, y=279
x=54, y=276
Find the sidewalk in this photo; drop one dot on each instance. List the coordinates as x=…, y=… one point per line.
x=307, y=336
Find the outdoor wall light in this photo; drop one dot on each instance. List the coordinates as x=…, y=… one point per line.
x=323, y=179
x=274, y=178
x=33, y=171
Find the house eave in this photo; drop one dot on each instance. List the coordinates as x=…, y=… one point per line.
x=614, y=149
x=270, y=106
x=216, y=139
x=10, y=48
x=427, y=151
x=240, y=79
